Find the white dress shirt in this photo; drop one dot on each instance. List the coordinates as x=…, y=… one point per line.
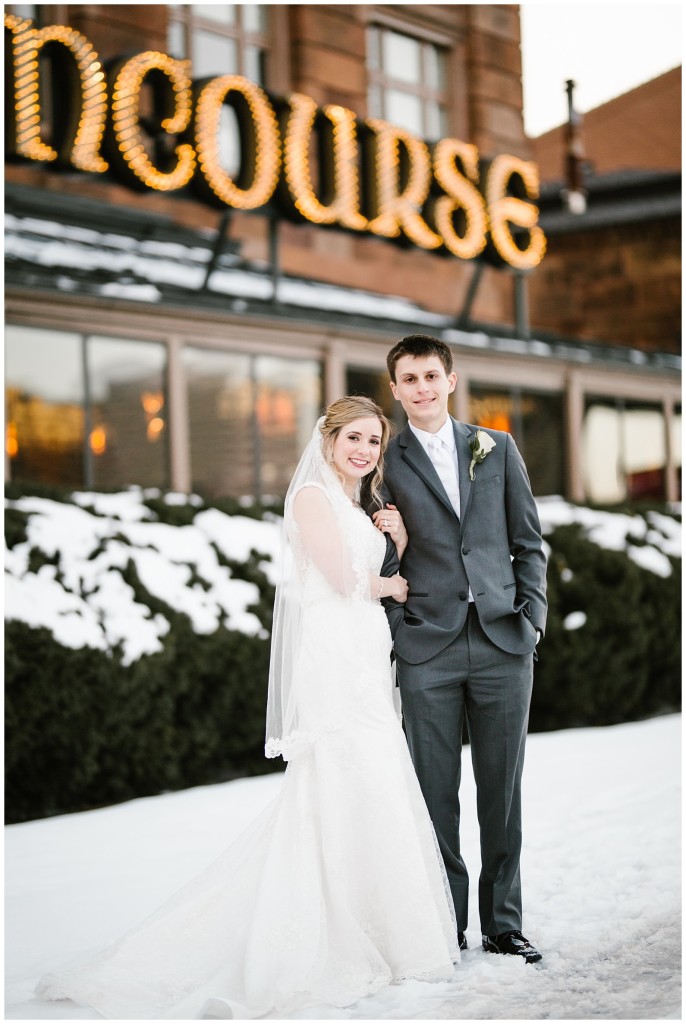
x=440, y=447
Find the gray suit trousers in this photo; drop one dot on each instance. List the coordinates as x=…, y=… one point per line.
x=473, y=679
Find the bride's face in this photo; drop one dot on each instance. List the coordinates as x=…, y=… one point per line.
x=357, y=448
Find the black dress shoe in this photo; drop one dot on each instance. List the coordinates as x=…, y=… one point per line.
x=513, y=943
x=462, y=940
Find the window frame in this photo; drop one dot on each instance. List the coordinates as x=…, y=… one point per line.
x=379, y=78
x=187, y=17
x=454, y=45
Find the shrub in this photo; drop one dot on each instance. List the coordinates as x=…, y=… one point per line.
x=87, y=727
x=623, y=663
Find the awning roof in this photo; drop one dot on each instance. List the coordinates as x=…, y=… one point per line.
x=74, y=246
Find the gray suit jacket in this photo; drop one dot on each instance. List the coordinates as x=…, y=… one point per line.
x=494, y=547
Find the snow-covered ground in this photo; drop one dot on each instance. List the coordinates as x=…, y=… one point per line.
x=601, y=877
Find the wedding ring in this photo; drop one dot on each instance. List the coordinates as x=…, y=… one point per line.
x=385, y=522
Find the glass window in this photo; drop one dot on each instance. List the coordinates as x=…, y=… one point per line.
x=624, y=451
x=25, y=11
x=254, y=18
x=434, y=67
x=176, y=38
x=85, y=412
x=220, y=39
x=254, y=63
x=374, y=384
x=221, y=422
x=216, y=55
x=536, y=421
x=288, y=402
x=407, y=82
x=404, y=109
x=225, y=14
x=128, y=422
x=44, y=394
x=401, y=56
x=249, y=420
x=436, y=121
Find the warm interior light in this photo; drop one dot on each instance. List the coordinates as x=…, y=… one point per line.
x=155, y=428
x=11, y=440
x=497, y=421
x=98, y=440
x=152, y=402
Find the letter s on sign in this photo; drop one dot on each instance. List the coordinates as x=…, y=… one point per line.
x=461, y=194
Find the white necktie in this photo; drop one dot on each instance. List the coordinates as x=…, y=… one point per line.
x=445, y=464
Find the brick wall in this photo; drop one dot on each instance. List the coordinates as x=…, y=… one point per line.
x=326, y=60
x=640, y=130
x=619, y=284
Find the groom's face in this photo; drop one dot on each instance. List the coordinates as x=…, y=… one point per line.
x=422, y=387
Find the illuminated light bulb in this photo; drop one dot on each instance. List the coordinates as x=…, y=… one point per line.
x=131, y=152
x=461, y=194
x=155, y=428
x=339, y=170
x=399, y=210
x=152, y=402
x=264, y=157
x=98, y=441
x=84, y=148
x=12, y=440
x=505, y=209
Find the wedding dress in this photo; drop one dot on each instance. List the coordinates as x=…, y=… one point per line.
x=338, y=888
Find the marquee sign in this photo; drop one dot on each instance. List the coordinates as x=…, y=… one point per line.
x=146, y=121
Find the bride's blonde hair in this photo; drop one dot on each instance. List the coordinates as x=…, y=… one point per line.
x=338, y=415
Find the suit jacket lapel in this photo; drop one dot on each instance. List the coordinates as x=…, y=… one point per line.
x=463, y=433
x=416, y=457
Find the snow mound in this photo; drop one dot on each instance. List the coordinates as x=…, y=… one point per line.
x=658, y=535
x=82, y=597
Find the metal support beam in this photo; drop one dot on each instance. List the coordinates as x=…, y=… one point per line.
x=464, y=318
x=574, y=423
x=88, y=467
x=217, y=248
x=274, y=256
x=521, y=305
x=671, y=468
x=177, y=417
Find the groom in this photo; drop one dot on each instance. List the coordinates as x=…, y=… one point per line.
x=464, y=642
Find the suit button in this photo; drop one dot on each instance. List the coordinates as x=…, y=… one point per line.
x=465, y=551
x=462, y=595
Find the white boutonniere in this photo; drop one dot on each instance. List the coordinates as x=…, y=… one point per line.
x=480, y=445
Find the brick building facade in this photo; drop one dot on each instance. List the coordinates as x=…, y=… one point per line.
x=614, y=274
x=155, y=337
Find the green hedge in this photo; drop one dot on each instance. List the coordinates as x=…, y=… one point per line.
x=83, y=729
x=624, y=663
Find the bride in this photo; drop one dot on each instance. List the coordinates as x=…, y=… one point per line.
x=338, y=888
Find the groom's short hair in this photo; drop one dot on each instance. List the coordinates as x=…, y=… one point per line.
x=419, y=346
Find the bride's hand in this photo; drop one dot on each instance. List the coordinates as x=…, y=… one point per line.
x=395, y=587
x=389, y=521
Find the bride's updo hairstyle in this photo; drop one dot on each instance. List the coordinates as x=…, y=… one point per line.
x=338, y=415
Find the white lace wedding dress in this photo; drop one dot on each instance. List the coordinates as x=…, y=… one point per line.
x=337, y=889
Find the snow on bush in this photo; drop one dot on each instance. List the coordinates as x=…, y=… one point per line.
x=79, y=594
x=658, y=535
x=84, y=601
